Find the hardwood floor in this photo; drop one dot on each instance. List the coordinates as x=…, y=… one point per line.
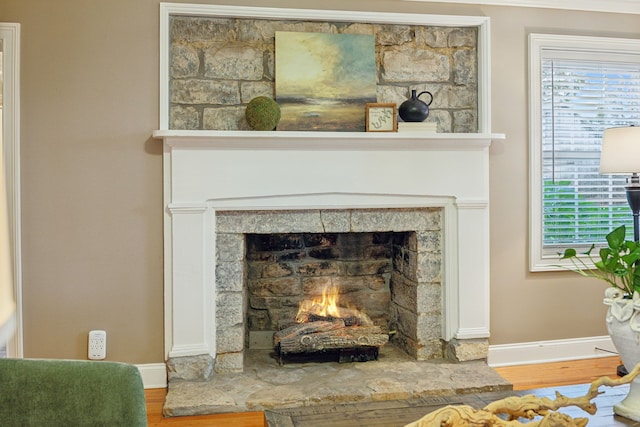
x=527, y=377
x=523, y=377
x=155, y=400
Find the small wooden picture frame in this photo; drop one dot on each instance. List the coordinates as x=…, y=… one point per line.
x=381, y=117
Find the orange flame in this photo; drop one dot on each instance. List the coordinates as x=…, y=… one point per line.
x=326, y=305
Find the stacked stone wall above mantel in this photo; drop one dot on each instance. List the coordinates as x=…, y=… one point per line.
x=217, y=65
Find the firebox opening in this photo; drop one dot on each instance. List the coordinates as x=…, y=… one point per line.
x=373, y=274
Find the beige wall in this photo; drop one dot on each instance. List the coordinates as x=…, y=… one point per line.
x=92, y=176
x=532, y=306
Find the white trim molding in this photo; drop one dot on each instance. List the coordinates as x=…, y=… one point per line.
x=10, y=37
x=550, y=351
x=610, y=6
x=154, y=375
x=544, y=46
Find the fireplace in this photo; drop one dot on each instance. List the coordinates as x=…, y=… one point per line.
x=292, y=277
x=333, y=296
x=384, y=262
x=221, y=186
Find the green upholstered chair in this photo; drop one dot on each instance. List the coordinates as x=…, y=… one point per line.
x=45, y=392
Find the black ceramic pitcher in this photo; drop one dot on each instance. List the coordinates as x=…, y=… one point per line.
x=414, y=109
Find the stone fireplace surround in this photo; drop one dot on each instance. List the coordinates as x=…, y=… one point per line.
x=416, y=293
x=208, y=173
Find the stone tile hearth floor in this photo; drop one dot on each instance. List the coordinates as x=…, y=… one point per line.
x=267, y=385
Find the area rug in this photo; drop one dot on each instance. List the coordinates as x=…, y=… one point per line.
x=398, y=413
x=374, y=414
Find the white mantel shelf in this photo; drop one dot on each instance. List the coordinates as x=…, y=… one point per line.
x=288, y=140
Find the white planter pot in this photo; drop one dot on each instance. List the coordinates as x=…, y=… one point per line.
x=623, y=323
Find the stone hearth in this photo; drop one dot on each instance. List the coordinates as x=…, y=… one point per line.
x=265, y=385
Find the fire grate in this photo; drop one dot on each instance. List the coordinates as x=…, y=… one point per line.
x=323, y=326
x=332, y=339
x=345, y=355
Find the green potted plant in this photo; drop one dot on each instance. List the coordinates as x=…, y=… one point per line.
x=618, y=265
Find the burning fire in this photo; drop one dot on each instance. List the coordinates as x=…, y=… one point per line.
x=326, y=307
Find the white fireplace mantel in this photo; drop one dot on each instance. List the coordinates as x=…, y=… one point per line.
x=206, y=171
x=326, y=140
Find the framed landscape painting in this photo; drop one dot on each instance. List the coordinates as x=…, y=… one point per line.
x=324, y=81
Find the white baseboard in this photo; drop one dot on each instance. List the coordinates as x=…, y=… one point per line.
x=550, y=351
x=154, y=375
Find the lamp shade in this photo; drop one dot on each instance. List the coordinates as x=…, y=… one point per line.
x=620, y=150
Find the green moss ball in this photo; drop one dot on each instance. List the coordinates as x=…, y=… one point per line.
x=262, y=113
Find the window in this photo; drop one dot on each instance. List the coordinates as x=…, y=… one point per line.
x=579, y=86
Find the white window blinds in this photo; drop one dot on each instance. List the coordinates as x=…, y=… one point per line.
x=580, y=98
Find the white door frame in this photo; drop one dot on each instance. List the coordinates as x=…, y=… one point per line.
x=10, y=36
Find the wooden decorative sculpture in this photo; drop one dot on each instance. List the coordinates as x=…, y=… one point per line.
x=528, y=407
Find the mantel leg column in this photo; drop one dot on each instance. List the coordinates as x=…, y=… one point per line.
x=473, y=275
x=191, y=283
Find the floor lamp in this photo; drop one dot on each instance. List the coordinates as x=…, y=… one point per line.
x=621, y=155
